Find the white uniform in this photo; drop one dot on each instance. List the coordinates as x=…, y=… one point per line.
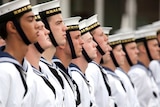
x=98, y=87
x=39, y=93
x=155, y=68
x=12, y=89
x=58, y=87
x=147, y=90
x=117, y=88
x=83, y=85
x=132, y=94
x=70, y=94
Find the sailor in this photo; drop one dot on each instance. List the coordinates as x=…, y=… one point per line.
x=19, y=29
x=38, y=82
x=63, y=56
x=155, y=64
x=141, y=75
x=110, y=62
x=131, y=57
x=79, y=65
x=98, y=80
x=50, y=13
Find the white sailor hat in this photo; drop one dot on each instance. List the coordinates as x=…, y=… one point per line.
x=83, y=26
x=156, y=22
x=145, y=34
x=106, y=30
x=145, y=27
x=155, y=26
x=114, y=39
x=35, y=10
x=50, y=8
x=14, y=8
x=72, y=23
x=127, y=37
x=92, y=22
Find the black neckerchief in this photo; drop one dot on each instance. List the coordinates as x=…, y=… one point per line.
x=111, y=72
x=53, y=71
x=45, y=79
x=69, y=79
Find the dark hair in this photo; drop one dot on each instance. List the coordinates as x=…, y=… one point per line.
x=158, y=32
x=3, y=31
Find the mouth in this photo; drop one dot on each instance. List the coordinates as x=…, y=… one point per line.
x=64, y=35
x=48, y=38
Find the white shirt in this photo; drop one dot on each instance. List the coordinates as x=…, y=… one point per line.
x=131, y=92
x=84, y=87
x=117, y=88
x=39, y=93
x=11, y=86
x=59, y=101
x=69, y=94
x=98, y=88
x=155, y=68
x=145, y=86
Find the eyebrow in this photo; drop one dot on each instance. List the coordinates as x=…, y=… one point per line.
x=59, y=21
x=30, y=16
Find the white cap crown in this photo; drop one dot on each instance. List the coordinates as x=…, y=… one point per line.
x=106, y=30
x=72, y=23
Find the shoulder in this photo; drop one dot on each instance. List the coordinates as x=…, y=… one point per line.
x=92, y=68
x=154, y=63
x=8, y=68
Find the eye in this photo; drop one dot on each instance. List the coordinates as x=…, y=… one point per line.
x=58, y=22
x=31, y=18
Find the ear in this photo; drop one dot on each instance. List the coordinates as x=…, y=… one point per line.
x=62, y=46
x=142, y=49
x=10, y=27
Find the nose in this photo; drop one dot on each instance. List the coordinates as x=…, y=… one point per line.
x=36, y=25
x=47, y=31
x=137, y=51
x=81, y=41
x=94, y=43
x=105, y=38
x=109, y=48
x=123, y=53
x=64, y=27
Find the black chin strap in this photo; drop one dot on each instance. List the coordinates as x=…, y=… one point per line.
x=71, y=45
x=38, y=47
x=149, y=54
x=114, y=59
x=99, y=48
x=44, y=20
x=20, y=31
x=88, y=59
x=127, y=56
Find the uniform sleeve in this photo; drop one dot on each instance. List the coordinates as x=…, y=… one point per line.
x=92, y=74
x=140, y=82
x=5, y=80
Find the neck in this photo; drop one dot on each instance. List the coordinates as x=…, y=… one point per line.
x=63, y=56
x=81, y=63
x=98, y=58
x=144, y=59
x=126, y=67
x=109, y=64
x=33, y=56
x=49, y=53
x=16, y=49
